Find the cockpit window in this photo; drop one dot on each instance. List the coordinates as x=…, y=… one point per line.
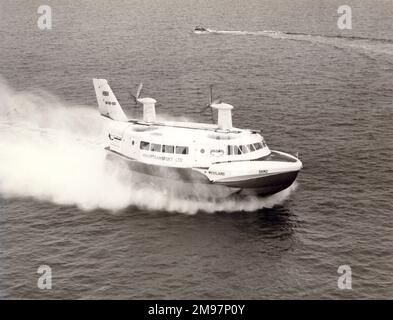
x=144, y=145
x=258, y=146
x=237, y=150
x=105, y=93
x=168, y=149
x=181, y=150
x=155, y=147
x=251, y=147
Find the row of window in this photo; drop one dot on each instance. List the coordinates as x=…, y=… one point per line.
x=236, y=150
x=163, y=148
x=110, y=103
x=232, y=149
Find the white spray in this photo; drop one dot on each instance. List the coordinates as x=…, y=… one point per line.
x=54, y=152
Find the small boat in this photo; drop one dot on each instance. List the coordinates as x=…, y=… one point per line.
x=199, y=29
x=217, y=156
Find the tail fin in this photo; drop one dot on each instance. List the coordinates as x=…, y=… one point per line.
x=107, y=102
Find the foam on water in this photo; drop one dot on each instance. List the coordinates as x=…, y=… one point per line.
x=53, y=151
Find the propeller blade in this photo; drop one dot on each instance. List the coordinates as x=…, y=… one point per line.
x=132, y=97
x=211, y=94
x=139, y=91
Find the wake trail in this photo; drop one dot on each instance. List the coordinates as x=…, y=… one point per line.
x=372, y=45
x=54, y=151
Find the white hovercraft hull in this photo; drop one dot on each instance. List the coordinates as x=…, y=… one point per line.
x=260, y=177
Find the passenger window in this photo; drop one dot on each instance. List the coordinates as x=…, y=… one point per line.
x=144, y=145
x=168, y=149
x=251, y=147
x=155, y=147
x=181, y=150
x=236, y=150
x=243, y=149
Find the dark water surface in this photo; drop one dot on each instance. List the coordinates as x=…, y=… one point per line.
x=311, y=87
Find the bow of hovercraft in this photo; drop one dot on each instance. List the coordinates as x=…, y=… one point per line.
x=264, y=176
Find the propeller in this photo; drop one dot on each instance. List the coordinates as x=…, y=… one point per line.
x=138, y=93
x=137, y=96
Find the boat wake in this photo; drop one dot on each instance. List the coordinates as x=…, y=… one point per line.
x=372, y=45
x=53, y=151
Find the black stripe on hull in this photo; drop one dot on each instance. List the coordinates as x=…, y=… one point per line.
x=264, y=185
